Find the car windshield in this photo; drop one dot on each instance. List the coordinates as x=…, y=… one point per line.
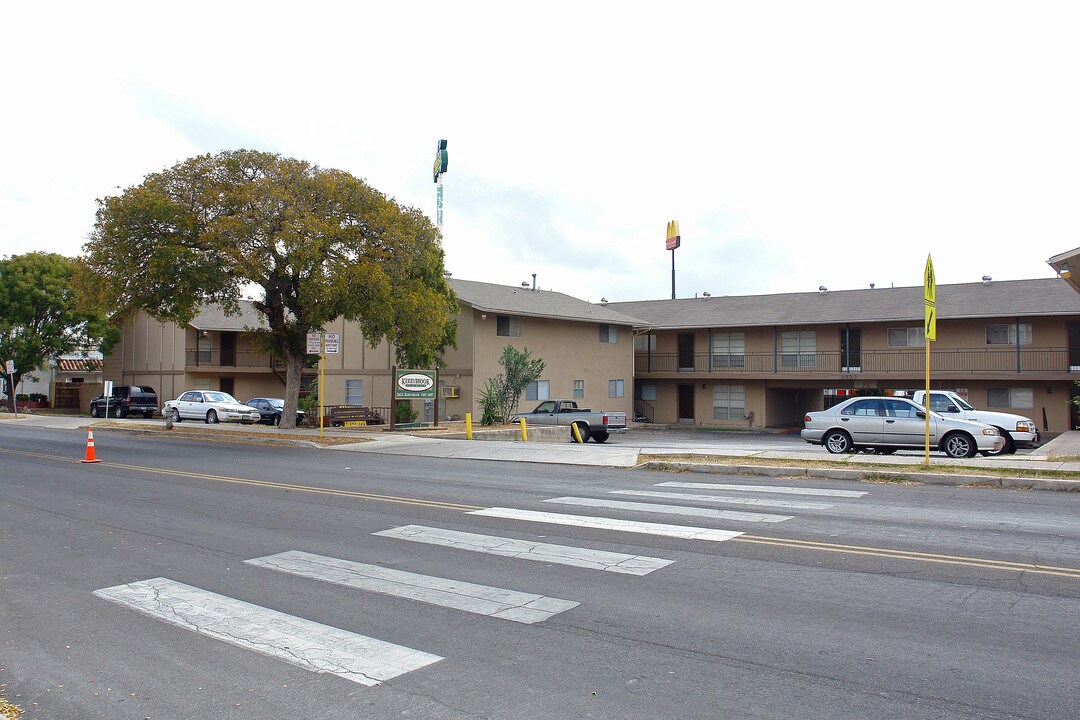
x=219, y=397
x=275, y=403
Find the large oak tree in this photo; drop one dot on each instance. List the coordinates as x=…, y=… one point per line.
x=41, y=317
x=319, y=243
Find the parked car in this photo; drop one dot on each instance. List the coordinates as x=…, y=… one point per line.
x=1017, y=430
x=210, y=406
x=887, y=424
x=270, y=410
x=126, y=400
x=597, y=425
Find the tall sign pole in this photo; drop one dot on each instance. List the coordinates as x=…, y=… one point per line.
x=930, y=332
x=673, y=242
x=441, y=161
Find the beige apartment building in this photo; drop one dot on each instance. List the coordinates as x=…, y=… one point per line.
x=587, y=348
x=765, y=360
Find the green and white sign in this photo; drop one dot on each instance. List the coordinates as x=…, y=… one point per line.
x=411, y=384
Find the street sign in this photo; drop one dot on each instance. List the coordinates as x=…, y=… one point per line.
x=10, y=367
x=929, y=283
x=931, y=322
x=107, y=390
x=314, y=342
x=332, y=343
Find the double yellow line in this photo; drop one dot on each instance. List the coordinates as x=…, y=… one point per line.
x=1001, y=565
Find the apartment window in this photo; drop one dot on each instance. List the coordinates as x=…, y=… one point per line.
x=609, y=333
x=1005, y=334
x=729, y=402
x=1010, y=398
x=798, y=349
x=354, y=392
x=579, y=389
x=615, y=388
x=507, y=326
x=539, y=390
x=643, y=343
x=907, y=337
x=728, y=349
x=648, y=392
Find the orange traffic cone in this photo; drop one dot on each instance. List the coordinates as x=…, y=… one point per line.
x=90, y=448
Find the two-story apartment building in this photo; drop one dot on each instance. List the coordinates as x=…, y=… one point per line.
x=587, y=348
x=765, y=360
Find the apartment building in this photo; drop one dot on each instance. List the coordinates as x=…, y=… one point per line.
x=765, y=360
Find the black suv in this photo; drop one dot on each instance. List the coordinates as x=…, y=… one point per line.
x=126, y=400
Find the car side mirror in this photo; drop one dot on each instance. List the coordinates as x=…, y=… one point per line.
x=920, y=413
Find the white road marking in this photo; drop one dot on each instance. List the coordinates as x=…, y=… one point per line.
x=529, y=550
x=759, y=502
x=671, y=509
x=480, y=599
x=305, y=643
x=765, y=489
x=602, y=523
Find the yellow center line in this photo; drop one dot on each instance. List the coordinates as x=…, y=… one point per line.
x=792, y=544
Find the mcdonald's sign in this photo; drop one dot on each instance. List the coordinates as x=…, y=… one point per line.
x=673, y=239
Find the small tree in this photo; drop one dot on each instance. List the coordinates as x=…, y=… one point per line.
x=41, y=317
x=501, y=395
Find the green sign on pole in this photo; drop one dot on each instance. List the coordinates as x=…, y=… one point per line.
x=414, y=384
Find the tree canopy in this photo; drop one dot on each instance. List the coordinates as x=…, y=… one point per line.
x=41, y=317
x=319, y=243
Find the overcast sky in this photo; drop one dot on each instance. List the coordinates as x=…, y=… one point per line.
x=798, y=144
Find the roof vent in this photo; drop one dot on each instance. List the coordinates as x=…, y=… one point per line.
x=986, y=279
x=821, y=289
x=706, y=294
x=603, y=301
x=871, y=286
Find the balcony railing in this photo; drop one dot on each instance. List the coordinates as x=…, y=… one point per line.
x=226, y=358
x=973, y=361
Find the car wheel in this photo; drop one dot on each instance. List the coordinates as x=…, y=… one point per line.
x=1008, y=449
x=959, y=445
x=176, y=415
x=121, y=412
x=211, y=417
x=95, y=411
x=600, y=437
x=838, y=442
x=582, y=432
x=276, y=420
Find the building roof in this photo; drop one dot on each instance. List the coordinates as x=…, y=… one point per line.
x=87, y=365
x=488, y=297
x=213, y=317
x=1067, y=266
x=1009, y=298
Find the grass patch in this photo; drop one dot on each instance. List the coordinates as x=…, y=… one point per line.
x=887, y=478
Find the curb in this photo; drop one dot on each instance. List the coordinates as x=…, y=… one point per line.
x=1014, y=483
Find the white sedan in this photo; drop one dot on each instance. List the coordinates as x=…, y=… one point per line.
x=210, y=406
x=887, y=424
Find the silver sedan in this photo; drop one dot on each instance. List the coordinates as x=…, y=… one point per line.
x=887, y=424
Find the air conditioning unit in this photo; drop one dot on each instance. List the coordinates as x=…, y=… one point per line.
x=451, y=391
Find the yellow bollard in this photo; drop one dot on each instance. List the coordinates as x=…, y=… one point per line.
x=576, y=433
x=524, y=432
x=468, y=426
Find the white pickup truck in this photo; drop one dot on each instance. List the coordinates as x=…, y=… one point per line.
x=1017, y=430
x=597, y=425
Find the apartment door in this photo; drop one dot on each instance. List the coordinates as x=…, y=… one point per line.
x=228, y=349
x=686, y=352
x=227, y=385
x=1074, y=346
x=686, y=403
x=850, y=350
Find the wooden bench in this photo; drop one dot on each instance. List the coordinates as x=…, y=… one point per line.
x=352, y=416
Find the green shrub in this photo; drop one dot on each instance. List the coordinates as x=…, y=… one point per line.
x=404, y=413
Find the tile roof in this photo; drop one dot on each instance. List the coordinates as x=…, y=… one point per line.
x=488, y=297
x=1009, y=298
x=84, y=365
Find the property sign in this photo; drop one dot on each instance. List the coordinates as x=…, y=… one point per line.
x=415, y=384
x=332, y=344
x=314, y=342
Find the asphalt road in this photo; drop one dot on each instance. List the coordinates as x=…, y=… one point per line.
x=128, y=590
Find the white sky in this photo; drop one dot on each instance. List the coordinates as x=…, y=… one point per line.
x=798, y=144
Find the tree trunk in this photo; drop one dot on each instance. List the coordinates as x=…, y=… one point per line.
x=294, y=367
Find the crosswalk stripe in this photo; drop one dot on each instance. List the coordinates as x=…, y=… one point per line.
x=602, y=523
x=305, y=643
x=766, y=489
x=759, y=502
x=529, y=550
x=671, y=509
x=480, y=599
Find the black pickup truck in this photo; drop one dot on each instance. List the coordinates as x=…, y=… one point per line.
x=126, y=400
